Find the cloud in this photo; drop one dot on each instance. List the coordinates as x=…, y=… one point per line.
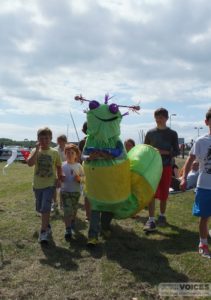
x=153, y=52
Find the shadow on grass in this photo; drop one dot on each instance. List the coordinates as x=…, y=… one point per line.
x=59, y=215
x=58, y=257
x=3, y=262
x=145, y=257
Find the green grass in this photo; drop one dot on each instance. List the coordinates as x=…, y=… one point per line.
x=129, y=265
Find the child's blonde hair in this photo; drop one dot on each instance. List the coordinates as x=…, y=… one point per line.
x=73, y=147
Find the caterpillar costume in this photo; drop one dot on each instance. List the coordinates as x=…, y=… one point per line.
x=116, y=181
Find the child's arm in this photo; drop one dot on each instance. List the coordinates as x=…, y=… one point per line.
x=31, y=160
x=60, y=176
x=186, y=169
x=80, y=176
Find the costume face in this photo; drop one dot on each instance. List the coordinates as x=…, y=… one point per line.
x=104, y=121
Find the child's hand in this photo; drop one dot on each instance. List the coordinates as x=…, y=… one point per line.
x=62, y=178
x=58, y=184
x=78, y=178
x=37, y=146
x=99, y=155
x=94, y=155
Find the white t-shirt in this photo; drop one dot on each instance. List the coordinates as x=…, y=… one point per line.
x=70, y=171
x=61, y=153
x=192, y=179
x=202, y=150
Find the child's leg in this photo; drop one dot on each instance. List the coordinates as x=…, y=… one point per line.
x=203, y=228
x=43, y=206
x=87, y=208
x=74, y=201
x=163, y=205
x=67, y=205
x=45, y=218
x=94, y=225
x=162, y=192
x=150, y=224
x=151, y=208
x=55, y=198
x=106, y=218
x=67, y=221
x=203, y=233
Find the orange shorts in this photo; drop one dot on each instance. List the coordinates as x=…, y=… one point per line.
x=164, y=184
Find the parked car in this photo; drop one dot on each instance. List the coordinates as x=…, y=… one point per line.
x=5, y=154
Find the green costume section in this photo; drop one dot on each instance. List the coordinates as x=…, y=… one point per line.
x=146, y=161
x=116, y=182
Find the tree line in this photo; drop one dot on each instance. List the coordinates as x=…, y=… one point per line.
x=4, y=142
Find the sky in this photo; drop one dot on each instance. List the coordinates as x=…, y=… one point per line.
x=152, y=53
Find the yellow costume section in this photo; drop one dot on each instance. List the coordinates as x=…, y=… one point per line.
x=142, y=191
x=124, y=187
x=108, y=183
x=146, y=161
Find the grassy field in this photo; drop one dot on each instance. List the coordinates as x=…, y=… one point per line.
x=128, y=266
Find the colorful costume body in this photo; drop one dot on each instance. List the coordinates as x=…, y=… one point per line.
x=117, y=182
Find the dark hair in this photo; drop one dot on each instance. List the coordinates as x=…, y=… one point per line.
x=84, y=128
x=132, y=142
x=62, y=137
x=208, y=114
x=44, y=131
x=161, y=112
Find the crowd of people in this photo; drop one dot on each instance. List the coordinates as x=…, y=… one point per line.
x=59, y=174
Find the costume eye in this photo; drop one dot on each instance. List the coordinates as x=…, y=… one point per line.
x=113, y=108
x=93, y=104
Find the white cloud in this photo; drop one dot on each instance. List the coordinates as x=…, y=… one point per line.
x=153, y=52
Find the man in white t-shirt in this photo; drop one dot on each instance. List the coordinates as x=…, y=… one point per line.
x=201, y=151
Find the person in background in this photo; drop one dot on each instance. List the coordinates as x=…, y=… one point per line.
x=129, y=144
x=61, y=142
x=201, y=150
x=165, y=140
x=81, y=147
x=47, y=168
x=191, y=178
x=73, y=175
x=175, y=181
x=193, y=175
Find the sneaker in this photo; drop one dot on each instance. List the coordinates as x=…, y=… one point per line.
x=204, y=251
x=54, y=207
x=150, y=226
x=68, y=234
x=61, y=206
x=106, y=234
x=92, y=242
x=161, y=221
x=43, y=237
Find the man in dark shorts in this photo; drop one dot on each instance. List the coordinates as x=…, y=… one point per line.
x=165, y=140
